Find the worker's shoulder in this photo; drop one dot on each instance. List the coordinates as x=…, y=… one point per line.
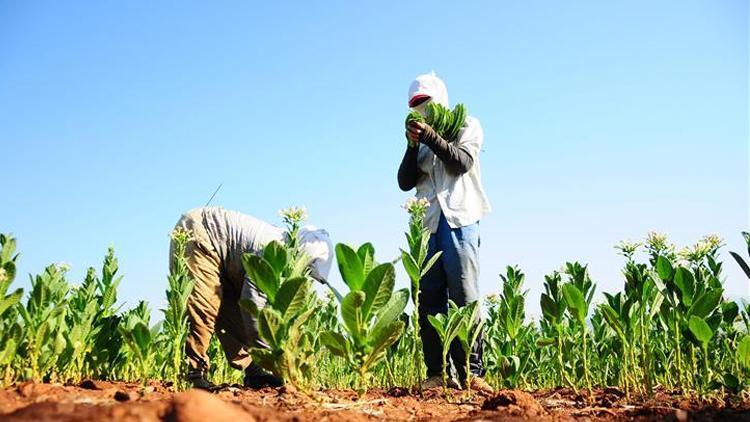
x=472, y=121
x=472, y=127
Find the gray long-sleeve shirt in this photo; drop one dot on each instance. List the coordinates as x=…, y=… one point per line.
x=233, y=234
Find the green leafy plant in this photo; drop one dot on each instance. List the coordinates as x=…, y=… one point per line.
x=370, y=312
x=282, y=275
x=287, y=289
x=9, y=326
x=106, y=357
x=8, y=258
x=553, y=306
x=448, y=327
x=138, y=338
x=668, y=328
x=417, y=264
x=578, y=310
x=468, y=334
x=175, y=326
x=688, y=293
x=79, y=321
x=44, y=322
x=505, y=329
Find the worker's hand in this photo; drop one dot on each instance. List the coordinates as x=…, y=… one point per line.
x=414, y=130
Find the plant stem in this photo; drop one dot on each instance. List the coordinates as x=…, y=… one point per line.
x=677, y=351
x=585, y=361
x=706, y=377
x=468, y=370
x=417, y=340
x=445, y=374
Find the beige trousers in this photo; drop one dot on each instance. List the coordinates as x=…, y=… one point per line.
x=212, y=306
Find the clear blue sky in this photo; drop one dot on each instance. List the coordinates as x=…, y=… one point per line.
x=602, y=121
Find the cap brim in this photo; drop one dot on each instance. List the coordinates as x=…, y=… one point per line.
x=417, y=99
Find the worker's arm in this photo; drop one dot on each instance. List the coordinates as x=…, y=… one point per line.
x=455, y=158
x=408, y=172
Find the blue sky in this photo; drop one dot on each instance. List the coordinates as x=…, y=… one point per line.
x=602, y=121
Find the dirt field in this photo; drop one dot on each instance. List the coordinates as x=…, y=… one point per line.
x=105, y=401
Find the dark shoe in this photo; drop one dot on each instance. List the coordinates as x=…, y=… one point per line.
x=257, y=377
x=198, y=380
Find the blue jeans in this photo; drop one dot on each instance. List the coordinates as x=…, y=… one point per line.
x=454, y=276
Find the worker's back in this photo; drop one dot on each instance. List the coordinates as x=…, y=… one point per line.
x=232, y=234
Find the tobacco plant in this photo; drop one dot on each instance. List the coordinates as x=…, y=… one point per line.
x=447, y=327
x=468, y=334
x=138, y=339
x=10, y=329
x=686, y=298
x=417, y=264
x=507, y=359
x=106, y=356
x=175, y=326
x=281, y=274
x=44, y=323
x=553, y=306
x=370, y=311
x=669, y=327
x=79, y=320
x=578, y=293
x=280, y=320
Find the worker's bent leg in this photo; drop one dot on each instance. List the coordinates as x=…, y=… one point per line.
x=236, y=332
x=203, y=304
x=461, y=262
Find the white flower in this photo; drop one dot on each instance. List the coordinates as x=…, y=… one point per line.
x=413, y=202
x=713, y=241
x=628, y=248
x=704, y=247
x=181, y=234
x=293, y=215
x=62, y=266
x=657, y=242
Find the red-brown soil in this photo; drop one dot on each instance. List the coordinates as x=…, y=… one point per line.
x=106, y=401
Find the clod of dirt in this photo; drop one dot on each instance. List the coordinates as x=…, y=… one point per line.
x=681, y=415
x=685, y=404
x=614, y=391
x=122, y=396
x=88, y=385
x=94, y=385
x=25, y=389
x=287, y=389
x=608, y=397
x=398, y=392
x=201, y=406
x=514, y=403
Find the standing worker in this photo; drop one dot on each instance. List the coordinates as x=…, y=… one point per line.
x=214, y=259
x=447, y=174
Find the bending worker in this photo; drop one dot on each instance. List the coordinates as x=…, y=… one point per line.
x=214, y=259
x=447, y=175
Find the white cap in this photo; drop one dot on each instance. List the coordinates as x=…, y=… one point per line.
x=316, y=244
x=432, y=86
